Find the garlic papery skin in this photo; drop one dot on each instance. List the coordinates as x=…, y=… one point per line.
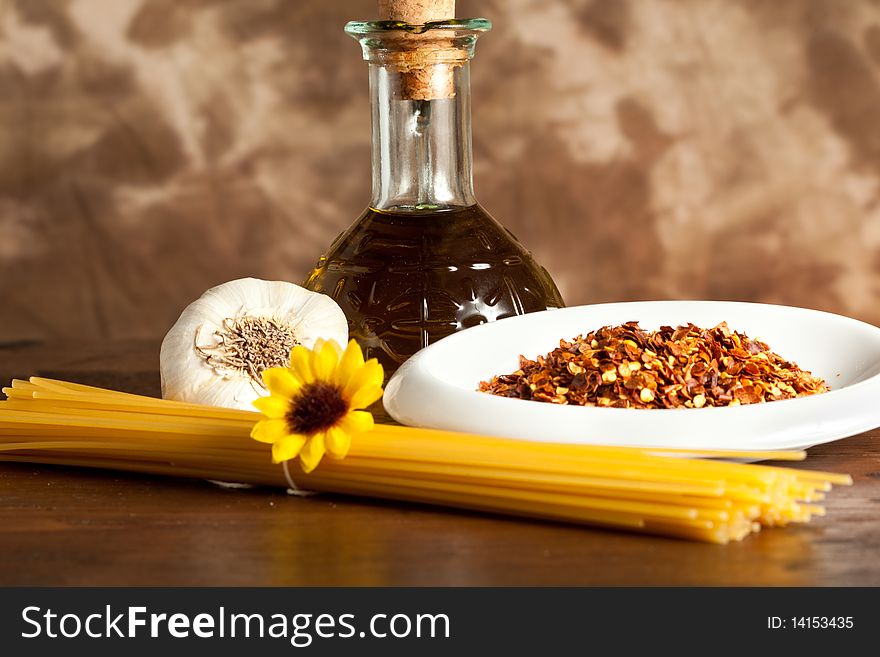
x=217, y=350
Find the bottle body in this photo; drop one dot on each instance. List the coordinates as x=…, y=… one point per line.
x=424, y=260
x=407, y=279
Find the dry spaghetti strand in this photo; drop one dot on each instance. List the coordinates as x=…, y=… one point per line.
x=682, y=493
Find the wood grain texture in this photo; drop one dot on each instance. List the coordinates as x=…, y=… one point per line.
x=62, y=526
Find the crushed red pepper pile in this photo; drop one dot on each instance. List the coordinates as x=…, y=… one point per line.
x=627, y=367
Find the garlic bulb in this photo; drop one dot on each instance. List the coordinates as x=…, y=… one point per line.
x=217, y=350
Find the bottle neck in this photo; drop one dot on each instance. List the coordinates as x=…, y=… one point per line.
x=422, y=156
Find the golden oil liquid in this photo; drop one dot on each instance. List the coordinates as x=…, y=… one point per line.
x=407, y=279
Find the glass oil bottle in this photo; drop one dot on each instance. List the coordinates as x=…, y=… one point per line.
x=425, y=259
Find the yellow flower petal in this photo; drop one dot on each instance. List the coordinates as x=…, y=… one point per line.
x=288, y=447
x=337, y=443
x=272, y=407
x=269, y=431
x=325, y=357
x=357, y=422
x=365, y=396
x=281, y=381
x=300, y=365
x=321, y=342
x=359, y=383
x=370, y=374
x=352, y=360
x=310, y=455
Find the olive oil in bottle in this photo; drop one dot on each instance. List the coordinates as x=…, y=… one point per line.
x=405, y=280
x=424, y=260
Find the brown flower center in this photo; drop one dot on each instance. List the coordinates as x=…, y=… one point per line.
x=317, y=407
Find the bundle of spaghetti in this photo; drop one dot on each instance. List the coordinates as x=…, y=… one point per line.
x=679, y=493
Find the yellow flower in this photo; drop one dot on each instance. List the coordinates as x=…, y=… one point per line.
x=312, y=405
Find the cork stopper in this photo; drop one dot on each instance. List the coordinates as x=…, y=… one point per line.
x=425, y=62
x=416, y=12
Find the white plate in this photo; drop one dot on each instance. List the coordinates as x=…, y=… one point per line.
x=437, y=387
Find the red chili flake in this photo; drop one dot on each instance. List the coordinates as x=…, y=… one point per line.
x=627, y=367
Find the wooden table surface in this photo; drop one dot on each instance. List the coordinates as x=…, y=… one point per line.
x=61, y=526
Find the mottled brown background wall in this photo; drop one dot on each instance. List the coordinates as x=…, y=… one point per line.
x=641, y=148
